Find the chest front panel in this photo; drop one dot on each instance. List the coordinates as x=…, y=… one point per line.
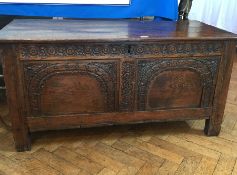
x=119, y=77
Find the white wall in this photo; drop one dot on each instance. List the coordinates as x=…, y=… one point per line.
x=219, y=13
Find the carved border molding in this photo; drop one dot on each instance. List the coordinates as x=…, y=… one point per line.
x=176, y=48
x=37, y=74
x=73, y=50
x=148, y=70
x=127, y=86
x=44, y=51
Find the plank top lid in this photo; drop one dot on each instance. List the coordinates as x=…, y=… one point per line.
x=46, y=30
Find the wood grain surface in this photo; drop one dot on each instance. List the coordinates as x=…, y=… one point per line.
x=120, y=30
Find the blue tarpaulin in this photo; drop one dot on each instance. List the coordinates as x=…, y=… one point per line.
x=137, y=8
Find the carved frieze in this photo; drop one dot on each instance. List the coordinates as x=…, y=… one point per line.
x=44, y=51
x=174, y=48
x=161, y=49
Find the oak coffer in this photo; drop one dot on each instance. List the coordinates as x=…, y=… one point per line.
x=63, y=74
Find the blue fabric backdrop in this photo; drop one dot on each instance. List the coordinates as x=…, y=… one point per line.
x=138, y=8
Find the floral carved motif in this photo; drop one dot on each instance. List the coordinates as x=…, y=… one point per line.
x=127, y=86
x=176, y=48
x=74, y=50
x=43, y=51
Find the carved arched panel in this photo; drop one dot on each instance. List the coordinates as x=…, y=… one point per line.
x=175, y=83
x=59, y=88
x=175, y=89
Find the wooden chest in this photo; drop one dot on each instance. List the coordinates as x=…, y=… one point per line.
x=63, y=74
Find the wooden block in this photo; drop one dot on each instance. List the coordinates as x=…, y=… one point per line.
x=119, y=156
x=225, y=165
x=7, y=145
x=193, y=147
x=8, y=167
x=235, y=169
x=78, y=160
x=141, y=154
x=122, y=146
x=186, y=153
x=32, y=165
x=156, y=150
x=111, y=138
x=188, y=165
x=101, y=158
x=56, y=162
x=206, y=166
x=191, y=159
x=107, y=171
x=148, y=169
x=214, y=143
x=228, y=136
x=168, y=168
x=234, y=131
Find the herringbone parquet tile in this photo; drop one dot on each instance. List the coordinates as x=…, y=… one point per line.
x=146, y=149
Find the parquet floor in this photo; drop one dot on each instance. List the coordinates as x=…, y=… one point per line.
x=145, y=149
